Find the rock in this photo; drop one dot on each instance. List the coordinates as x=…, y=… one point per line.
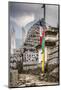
x=14, y=78
x=53, y=75
x=52, y=67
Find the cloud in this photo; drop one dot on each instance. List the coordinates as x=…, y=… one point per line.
x=52, y=15
x=24, y=12
x=22, y=21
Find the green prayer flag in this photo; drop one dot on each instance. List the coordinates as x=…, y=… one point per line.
x=43, y=43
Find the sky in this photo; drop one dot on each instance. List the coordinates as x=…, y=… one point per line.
x=23, y=13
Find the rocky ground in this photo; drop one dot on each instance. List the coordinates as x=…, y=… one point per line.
x=32, y=80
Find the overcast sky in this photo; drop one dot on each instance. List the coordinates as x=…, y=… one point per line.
x=23, y=13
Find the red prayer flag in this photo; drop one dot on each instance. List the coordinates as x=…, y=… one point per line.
x=43, y=33
x=40, y=40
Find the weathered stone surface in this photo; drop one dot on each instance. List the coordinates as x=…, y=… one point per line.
x=52, y=67
x=53, y=75
x=14, y=78
x=55, y=54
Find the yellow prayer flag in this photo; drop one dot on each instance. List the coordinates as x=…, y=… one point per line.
x=43, y=60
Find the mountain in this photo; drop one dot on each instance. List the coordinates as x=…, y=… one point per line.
x=18, y=43
x=33, y=35
x=18, y=33
x=29, y=25
x=22, y=31
x=35, y=22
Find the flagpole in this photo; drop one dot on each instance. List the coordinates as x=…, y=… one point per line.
x=43, y=54
x=43, y=45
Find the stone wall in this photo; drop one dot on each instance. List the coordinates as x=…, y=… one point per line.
x=53, y=63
